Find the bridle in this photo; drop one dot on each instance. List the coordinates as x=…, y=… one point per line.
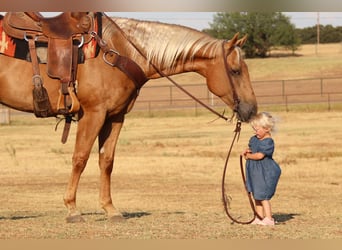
x=236, y=136
x=229, y=75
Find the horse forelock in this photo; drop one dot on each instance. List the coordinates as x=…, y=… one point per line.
x=166, y=45
x=238, y=57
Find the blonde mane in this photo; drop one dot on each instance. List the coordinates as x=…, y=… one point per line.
x=165, y=45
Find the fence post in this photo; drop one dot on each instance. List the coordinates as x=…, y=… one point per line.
x=149, y=109
x=196, y=111
x=171, y=101
x=321, y=86
x=286, y=104
x=4, y=116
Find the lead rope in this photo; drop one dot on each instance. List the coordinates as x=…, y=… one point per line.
x=225, y=198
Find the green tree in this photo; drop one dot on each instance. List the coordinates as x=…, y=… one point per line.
x=264, y=29
x=327, y=34
x=308, y=35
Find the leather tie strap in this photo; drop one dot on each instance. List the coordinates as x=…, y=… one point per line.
x=41, y=102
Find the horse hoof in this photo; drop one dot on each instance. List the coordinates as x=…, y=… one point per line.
x=75, y=219
x=117, y=218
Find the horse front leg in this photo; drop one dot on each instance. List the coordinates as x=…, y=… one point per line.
x=108, y=138
x=87, y=131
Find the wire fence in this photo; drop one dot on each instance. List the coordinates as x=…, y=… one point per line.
x=282, y=93
x=277, y=92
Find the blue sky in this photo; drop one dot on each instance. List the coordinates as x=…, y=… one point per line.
x=201, y=20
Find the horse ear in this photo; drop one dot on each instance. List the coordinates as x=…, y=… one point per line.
x=242, y=41
x=232, y=41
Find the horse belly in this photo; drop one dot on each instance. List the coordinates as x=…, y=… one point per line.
x=16, y=84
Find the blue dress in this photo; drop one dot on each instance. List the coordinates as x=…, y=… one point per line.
x=262, y=175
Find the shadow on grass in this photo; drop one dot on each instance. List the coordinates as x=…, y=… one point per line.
x=135, y=215
x=126, y=215
x=20, y=217
x=282, y=218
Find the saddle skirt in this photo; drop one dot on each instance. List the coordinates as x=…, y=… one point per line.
x=14, y=45
x=62, y=36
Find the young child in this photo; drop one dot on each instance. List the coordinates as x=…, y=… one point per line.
x=262, y=172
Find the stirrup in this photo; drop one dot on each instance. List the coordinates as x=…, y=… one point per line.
x=61, y=105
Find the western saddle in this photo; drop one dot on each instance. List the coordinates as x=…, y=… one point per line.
x=64, y=34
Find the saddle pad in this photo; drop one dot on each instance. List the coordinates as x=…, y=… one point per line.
x=7, y=44
x=18, y=48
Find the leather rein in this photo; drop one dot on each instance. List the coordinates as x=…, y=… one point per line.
x=237, y=130
x=225, y=198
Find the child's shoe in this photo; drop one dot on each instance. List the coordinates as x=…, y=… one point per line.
x=256, y=221
x=267, y=222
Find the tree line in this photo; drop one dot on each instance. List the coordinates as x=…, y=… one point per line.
x=327, y=34
x=269, y=30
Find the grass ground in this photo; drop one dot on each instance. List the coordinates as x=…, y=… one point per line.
x=167, y=180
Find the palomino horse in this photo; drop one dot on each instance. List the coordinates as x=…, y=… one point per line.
x=106, y=94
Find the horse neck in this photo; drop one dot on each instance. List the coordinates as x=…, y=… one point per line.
x=172, y=49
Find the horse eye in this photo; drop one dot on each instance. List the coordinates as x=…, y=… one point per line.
x=235, y=72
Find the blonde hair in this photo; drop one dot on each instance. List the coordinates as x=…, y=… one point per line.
x=265, y=120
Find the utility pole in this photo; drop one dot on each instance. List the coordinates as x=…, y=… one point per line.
x=317, y=33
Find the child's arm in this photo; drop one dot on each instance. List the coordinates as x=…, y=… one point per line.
x=254, y=156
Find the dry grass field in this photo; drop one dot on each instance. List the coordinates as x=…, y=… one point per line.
x=167, y=180
x=168, y=170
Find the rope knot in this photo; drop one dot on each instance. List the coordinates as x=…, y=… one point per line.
x=238, y=130
x=238, y=127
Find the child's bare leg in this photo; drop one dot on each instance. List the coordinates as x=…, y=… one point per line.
x=259, y=208
x=266, y=204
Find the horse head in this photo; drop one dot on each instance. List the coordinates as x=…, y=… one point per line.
x=234, y=86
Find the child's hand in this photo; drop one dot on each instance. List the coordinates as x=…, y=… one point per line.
x=246, y=151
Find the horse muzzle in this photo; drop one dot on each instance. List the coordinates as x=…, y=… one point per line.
x=245, y=111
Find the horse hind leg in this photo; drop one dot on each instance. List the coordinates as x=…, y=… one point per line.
x=108, y=138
